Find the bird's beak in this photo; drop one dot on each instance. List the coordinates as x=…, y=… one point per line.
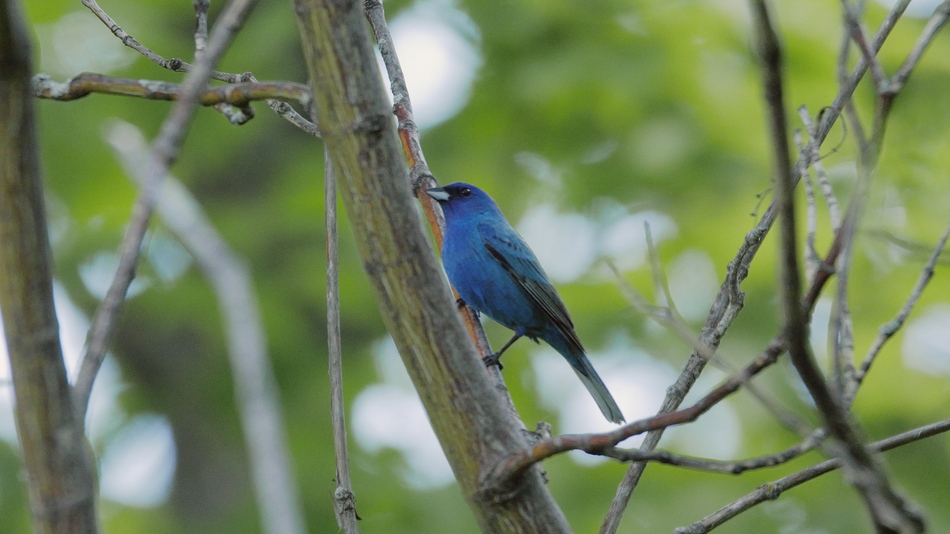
x=438, y=193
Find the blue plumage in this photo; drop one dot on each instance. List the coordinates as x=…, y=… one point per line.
x=496, y=273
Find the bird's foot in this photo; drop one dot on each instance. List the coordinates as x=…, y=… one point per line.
x=493, y=359
x=459, y=303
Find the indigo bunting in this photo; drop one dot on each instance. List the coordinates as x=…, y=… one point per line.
x=496, y=273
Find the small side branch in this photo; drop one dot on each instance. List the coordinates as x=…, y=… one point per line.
x=772, y=490
x=238, y=94
x=888, y=330
x=511, y=467
x=714, y=466
x=344, y=500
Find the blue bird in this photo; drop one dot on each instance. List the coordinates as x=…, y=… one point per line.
x=495, y=273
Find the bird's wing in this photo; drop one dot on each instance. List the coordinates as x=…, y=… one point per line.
x=513, y=254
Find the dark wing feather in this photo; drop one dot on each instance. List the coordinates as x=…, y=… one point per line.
x=513, y=254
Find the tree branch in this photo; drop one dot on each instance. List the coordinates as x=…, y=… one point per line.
x=344, y=500
x=255, y=387
x=466, y=413
x=888, y=510
x=772, y=490
x=237, y=94
x=729, y=301
x=715, y=466
x=888, y=330
x=282, y=109
x=59, y=466
x=164, y=153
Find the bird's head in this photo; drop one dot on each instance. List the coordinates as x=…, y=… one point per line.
x=463, y=200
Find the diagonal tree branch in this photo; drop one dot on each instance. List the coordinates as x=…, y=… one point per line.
x=163, y=155
x=466, y=414
x=255, y=387
x=772, y=490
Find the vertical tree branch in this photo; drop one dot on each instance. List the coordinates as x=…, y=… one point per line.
x=59, y=466
x=344, y=501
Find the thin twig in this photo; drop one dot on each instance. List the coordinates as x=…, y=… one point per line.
x=831, y=201
x=937, y=21
x=889, y=329
x=255, y=387
x=344, y=500
x=912, y=246
x=201, y=26
x=860, y=38
x=842, y=326
x=661, y=286
x=177, y=65
x=812, y=260
x=669, y=319
x=772, y=490
x=164, y=152
x=716, y=466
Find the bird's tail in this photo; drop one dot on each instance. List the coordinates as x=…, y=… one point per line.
x=591, y=380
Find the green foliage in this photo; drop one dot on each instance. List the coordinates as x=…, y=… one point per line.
x=655, y=105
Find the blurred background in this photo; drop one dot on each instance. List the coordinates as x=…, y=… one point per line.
x=583, y=120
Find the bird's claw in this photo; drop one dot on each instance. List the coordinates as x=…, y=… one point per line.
x=459, y=303
x=492, y=359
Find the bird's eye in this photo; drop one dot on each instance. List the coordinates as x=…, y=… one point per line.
x=465, y=192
